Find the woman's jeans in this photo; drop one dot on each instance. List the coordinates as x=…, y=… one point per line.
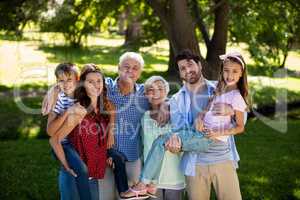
x=74, y=187
x=191, y=141
x=69, y=189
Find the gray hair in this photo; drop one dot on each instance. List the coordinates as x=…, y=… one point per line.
x=132, y=55
x=153, y=79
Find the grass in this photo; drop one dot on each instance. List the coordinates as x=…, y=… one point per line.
x=270, y=162
x=269, y=166
x=17, y=120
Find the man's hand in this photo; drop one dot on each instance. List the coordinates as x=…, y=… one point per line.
x=213, y=134
x=222, y=109
x=199, y=124
x=173, y=144
x=163, y=114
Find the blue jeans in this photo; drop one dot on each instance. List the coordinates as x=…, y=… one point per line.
x=191, y=141
x=70, y=187
x=94, y=188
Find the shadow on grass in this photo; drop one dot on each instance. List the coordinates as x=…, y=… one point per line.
x=92, y=54
x=16, y=123
x=269, y=71
x=14, y=37
x=266, y=95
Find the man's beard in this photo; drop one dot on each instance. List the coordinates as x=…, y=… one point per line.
x=192, y=79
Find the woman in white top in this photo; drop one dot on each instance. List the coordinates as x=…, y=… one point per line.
x=170, y=181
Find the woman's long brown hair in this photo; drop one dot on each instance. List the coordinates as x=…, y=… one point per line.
x=81, y=96
x=242, y=83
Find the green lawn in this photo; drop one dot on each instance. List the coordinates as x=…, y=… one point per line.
x=269, y=166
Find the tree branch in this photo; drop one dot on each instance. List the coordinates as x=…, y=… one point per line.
x=216, y=6
x=200, y=23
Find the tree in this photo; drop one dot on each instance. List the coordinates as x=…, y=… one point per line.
x=180, y=26
x=137, y=21
x=76, y=19
x=15, y=14
x=269, y=29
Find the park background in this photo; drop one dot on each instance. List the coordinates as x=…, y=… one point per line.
x=36, y=35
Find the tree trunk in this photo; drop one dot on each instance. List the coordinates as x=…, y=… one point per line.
x=133, y=31
x=218, y=42
x=173, y=74
x=179, y=26
x=121, y=23
x=286, y=51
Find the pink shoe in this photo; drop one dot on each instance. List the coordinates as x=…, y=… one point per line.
x=133, y=195
x=140, y=189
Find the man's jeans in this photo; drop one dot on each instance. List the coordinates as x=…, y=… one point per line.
x=191, y=141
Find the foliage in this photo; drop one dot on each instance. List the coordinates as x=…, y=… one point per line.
x=270, y=28
x=76, y=19
x=15, y=14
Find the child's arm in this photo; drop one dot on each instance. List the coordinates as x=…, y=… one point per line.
x=238, y=129
x=55, y=141
x=110, y=107
x=50, y=100
x=55, y=121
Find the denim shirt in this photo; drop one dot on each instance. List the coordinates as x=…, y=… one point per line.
x=180, y=106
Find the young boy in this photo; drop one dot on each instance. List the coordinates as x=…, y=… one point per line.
x=73, y=182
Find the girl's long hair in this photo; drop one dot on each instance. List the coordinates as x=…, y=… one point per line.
x=242, y=84
x=82, y=97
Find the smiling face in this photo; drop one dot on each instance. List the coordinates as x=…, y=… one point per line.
x=67, y=82
x=156, y=93
x=189, y=70
x=93, y=84
x=130, y=70
x=232, y=72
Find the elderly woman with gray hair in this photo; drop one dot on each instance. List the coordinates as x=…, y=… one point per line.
x=170, y=181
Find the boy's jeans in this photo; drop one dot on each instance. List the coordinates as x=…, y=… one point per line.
x=70, y=187
x=191, y=141
x=120, y=174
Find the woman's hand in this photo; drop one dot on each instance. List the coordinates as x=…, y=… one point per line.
x=164, y=114
x=173, y=144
